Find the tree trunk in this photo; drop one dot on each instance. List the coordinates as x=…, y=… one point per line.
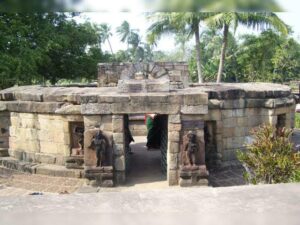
x=198, y=54
x=223, y=50
x=110, y=46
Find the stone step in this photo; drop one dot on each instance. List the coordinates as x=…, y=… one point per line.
x=4, y=152
x=37, y=168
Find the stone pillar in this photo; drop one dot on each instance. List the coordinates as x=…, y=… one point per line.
x=174, y=128
x=118, y=149
x=196, y=174
x=4, y=133
x=103, y=174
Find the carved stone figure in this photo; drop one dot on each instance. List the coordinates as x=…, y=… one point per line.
x=99, y=143
x=191, y=147
x=79, y=133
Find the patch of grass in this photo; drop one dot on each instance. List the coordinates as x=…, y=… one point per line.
x=297, y=120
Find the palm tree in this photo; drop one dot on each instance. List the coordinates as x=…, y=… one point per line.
x=181, y=39
x=131, y=38
x=254, y=20
x=124, y=31
x=105, y=33
x=175, y=22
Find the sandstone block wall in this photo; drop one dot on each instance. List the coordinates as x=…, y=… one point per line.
x=137, y=125
x=237, y=112
x=4, y=129
x=38, y=119
x=40, y=137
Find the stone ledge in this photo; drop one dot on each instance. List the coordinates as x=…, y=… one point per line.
x=244, y=90
x=43, y=169
x=4, y=152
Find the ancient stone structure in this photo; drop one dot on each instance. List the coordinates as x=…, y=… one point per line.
x=36, y=123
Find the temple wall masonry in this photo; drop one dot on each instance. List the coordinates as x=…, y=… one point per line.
x=4, y=129
x=41, y=138
x=57, y=125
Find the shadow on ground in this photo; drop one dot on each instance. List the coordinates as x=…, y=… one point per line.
x=145, y=166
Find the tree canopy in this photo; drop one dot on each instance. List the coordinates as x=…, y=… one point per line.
x=41, y=47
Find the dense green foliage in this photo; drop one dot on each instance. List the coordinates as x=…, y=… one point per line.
x=41, y=47
x=268, y=56
x=297, y=120
x=136, y=49
x=270, y=158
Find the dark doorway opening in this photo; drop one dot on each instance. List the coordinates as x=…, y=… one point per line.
x=210, y=144
x=76, y=138
x=281, y=119
x=146, y=163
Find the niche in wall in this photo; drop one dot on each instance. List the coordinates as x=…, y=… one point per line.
x=76, y=138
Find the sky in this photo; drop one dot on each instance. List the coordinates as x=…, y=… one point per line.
x=112, y=12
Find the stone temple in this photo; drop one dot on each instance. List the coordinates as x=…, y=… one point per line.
x=59, y=125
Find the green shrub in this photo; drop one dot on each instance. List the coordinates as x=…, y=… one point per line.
x=297, y=120
x=270, y=158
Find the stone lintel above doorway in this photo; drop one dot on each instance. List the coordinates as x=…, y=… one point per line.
x=195, y=102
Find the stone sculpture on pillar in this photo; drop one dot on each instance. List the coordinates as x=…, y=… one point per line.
x=193, y=169
x=79, y=133
x=191, y=148
x=100, y=145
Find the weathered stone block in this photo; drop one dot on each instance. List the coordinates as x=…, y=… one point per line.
x=119, y=163
x=174, y=136
x=96, y=108
x=53, y=170
x=194, y=99
x=255, y=94
x=4, y=152
x=119, y=177
x=105, y=99
x=173, y=147
x=281, y=110
x=174, y=127
x=118, y=138
x=228, y=132
x=69, y=109
x=3, y=106
x=239, y=131
x=163, y=98
x=185, y=182
x=214, y=104
x=175, y=99
x=229, y=154
x=118, y=149
x=118, y=125
x=92, y=121
x=233, y=104
x=88, y=99
x=242, y=121
x=200, y=109
x=174, y=118
x=254, y=121
x=173, y=161
x=255, y=103
x=45, y=158
x=48, y=147
x=173, y=177
x=229, y=122
x=107, y=183
x=228, y=113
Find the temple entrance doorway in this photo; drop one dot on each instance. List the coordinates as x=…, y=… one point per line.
x=146, y=156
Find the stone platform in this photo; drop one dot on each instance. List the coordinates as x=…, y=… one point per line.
x=247, y=205
x=37, y=122
x=37, y=168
